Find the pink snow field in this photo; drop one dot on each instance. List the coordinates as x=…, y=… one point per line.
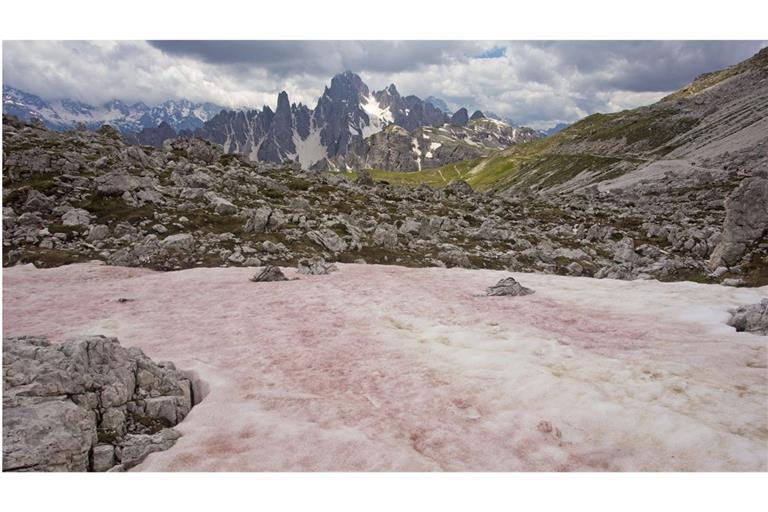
x=384, y=368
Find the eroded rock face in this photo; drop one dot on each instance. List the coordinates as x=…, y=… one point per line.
x=752, y=318
x=746, y=221
x=79, y=405
x=508, y=287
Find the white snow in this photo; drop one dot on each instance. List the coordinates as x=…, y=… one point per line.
x=309, y=150
x=416, y=151
x=378, y=117
x=389, y=368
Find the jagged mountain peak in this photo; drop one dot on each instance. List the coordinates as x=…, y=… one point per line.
x=478, y=114
x=347, y=86
x=460, y=118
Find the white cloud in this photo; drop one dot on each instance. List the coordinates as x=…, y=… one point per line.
x=534, y=83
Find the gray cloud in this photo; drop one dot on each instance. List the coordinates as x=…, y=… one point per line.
x=329, y=57
x=537, y=83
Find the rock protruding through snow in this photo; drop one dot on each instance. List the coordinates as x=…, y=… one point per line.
x=87, y=404
x=508, y=287
x=270, y=273
x=751, y=318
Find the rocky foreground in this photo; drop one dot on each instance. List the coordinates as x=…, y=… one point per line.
x=77, y=196
x=387, y=368
x=87, y=404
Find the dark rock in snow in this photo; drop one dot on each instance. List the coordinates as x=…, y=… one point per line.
x=508, y=287
x=752, y=318
x=270, y=273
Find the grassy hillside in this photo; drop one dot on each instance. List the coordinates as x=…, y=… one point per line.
x=604, y=146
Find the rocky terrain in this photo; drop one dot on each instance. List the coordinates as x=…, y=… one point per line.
x=87, y=404
x=79, y=195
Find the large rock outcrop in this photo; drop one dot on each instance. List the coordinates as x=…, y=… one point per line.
x=88, y=404
x=746, y=221
x=752, y=318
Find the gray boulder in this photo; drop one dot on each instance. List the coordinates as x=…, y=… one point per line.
x=97, y=233
x=315, y=266
x=265, y=219
x=385, y=235
x=76, y=217
x=270, y=273
x=223, y=207
x=508, y=287
x=459, y=188
x=453, y=256
x=117, y=183
x=183, y=242
x=328, y=239
x=73, y=406
x=752, y=318
x=746, y=221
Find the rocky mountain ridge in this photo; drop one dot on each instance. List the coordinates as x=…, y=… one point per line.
x=67, y=114
x=338, y=132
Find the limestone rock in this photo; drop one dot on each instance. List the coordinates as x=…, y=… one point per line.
x=66, y=407
x=315, y=266
x=137, y=447
x=184, y=242
x=752, y=318
x=328, y=239
x=508, y=287
x=270, y=273
x=76, y=217
x=459, y=188
x=746, y=221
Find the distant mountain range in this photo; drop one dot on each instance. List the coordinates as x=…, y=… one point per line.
x=66, y=113
x=335, y=133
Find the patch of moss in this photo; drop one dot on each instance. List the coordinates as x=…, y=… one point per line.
x=48, y=258
x=107, y=436
x=108, y=209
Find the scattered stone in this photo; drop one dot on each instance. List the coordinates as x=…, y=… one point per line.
x=508, y=287
x=459, y=188
x=315, y=266
x=328, y=239
x=76, y=217
x=183, y=242
x=752, y=318
x=223, y=207
x=270, y=273
x=97, y=233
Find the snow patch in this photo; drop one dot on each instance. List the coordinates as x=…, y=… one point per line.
x=427, y=373
x=309, y=150
x=378, y=117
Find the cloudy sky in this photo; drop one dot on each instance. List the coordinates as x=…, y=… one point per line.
x=536, y=83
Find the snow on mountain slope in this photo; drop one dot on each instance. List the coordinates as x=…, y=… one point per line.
x=389, y=368
x=310, y=149
x=64, y=114
x=378, y=117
